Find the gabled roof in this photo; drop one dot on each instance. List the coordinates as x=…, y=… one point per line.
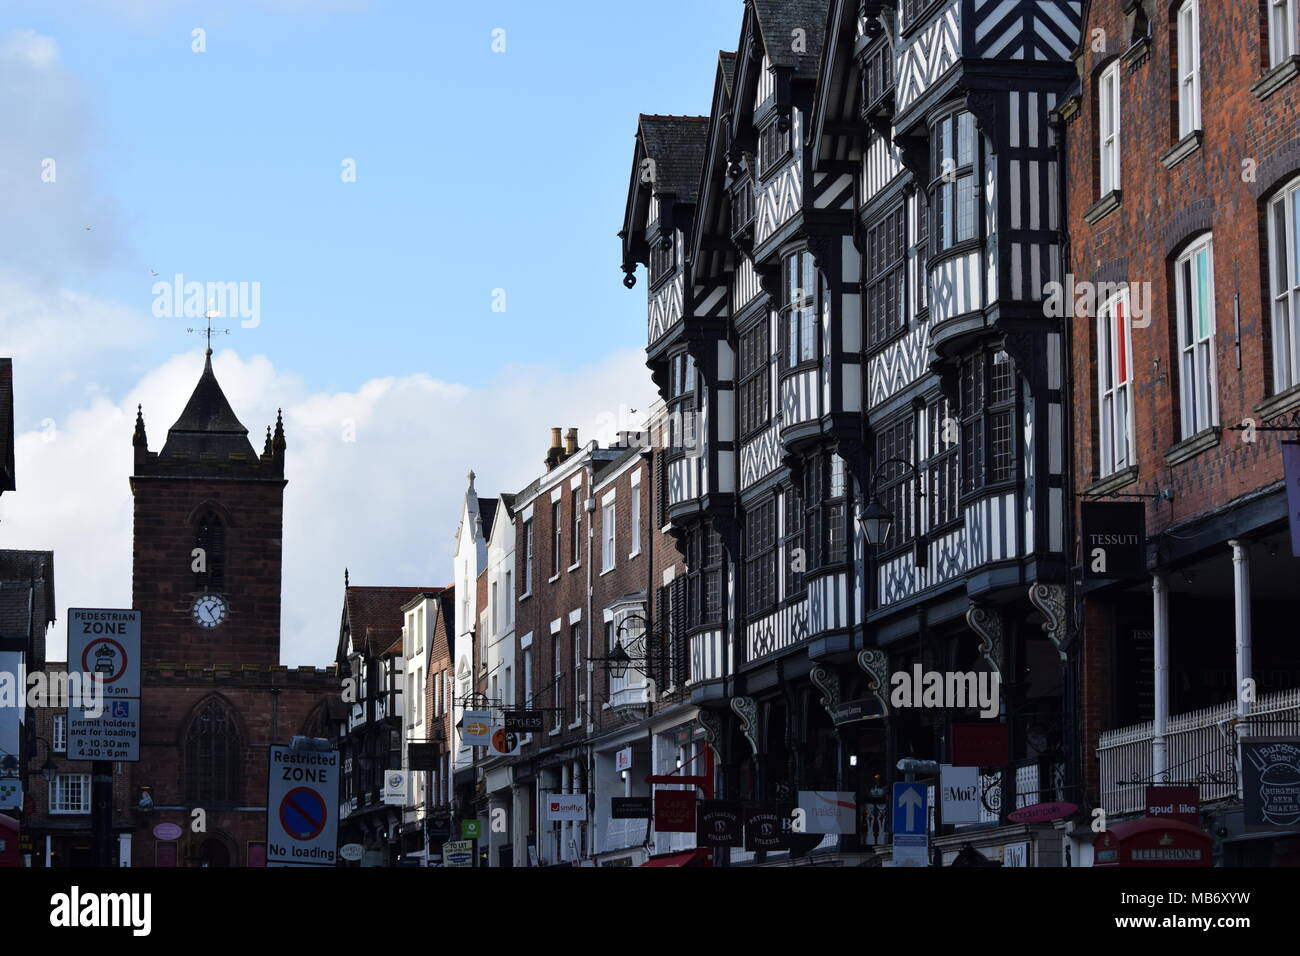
x=676, y=144
x=779, y=19
x=208, y=425
x=710, y=215
x=6, y=425
x=371, y=617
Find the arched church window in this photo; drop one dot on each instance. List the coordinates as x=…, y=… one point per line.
x=212, y=756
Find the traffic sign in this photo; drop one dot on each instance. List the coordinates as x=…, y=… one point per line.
x=910, y=812
x=113, y=734
x=105, y=642
x=911, y=825
x=302, y=802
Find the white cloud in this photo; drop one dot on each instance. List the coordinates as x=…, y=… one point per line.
x=385, y=505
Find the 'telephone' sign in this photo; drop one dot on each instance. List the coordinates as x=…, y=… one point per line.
x=302, y=799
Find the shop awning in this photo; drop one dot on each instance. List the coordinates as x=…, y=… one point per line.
x=697, y=857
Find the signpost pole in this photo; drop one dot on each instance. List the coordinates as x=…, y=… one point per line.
x=101, y=810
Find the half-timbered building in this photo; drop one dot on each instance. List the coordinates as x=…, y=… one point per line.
x=857, y=324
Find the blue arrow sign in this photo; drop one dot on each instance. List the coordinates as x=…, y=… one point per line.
x=910, y=812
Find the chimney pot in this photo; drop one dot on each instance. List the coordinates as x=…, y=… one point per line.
x=554, y=454
x=570, y=442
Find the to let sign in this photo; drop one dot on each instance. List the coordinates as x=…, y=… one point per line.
x=1114, y=540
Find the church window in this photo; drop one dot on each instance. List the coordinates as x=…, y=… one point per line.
x=212, y=756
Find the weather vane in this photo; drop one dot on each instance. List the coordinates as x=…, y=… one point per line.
x=210, y=315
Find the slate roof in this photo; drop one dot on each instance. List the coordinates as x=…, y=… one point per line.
x=676, y=144
x=26, y=611
x=6, y=425
x=208, y=425
x=727, y=61
x=777, y=21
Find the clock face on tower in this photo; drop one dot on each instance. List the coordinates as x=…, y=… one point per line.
x=209, y=610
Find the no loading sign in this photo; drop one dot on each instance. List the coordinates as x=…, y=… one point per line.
x=302, y=813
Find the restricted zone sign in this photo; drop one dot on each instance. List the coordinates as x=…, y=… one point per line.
x=302, y=798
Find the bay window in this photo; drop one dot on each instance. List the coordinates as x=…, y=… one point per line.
x=895, y=484
x=887, y=277
x=760, y=557
x=942, y=465
x=988, y=399
x=755, y=387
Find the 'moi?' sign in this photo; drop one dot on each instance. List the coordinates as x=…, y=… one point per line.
x=302, y=799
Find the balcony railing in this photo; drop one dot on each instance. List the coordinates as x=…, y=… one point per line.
x=1200, y=748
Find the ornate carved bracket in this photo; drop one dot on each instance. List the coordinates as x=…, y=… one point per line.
x=1050, y=601
x=914, y=154
x=746, y=708
x=826, y=679
x=711, y=721
x=987, y=623
x=876, y=664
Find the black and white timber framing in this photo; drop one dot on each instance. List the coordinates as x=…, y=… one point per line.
x=853, y=273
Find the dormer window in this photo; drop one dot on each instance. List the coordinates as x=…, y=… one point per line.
x=773, y=146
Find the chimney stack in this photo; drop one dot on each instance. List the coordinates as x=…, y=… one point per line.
x=554, y=454
x=570, y=442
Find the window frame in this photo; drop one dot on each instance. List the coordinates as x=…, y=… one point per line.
x=1197, y=359
x=1284, y=286
x=1108, y=462
x=774, y=147
x=609, y=538
x=760, y=557
x=528, y=557
x=1109, y=129
x=798, y=321
x=59, y=734
x=557, y=536
x=942, y=466
x=1188, y=20
x=1283, y=43
x=946, y=195
x=754, y=401
x=59, y=807
x=886, y=278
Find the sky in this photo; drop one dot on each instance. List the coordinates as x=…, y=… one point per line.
x=416, y=206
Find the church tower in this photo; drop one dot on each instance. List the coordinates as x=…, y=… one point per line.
x=208, y=524
x=206, y=578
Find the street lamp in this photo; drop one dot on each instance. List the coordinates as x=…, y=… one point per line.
x=877, y=521
x=619, y=661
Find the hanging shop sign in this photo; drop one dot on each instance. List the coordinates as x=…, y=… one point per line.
x=422, y=756
x=675, y=811
x=1270, y=777
x=959, y=794
x=1291, y=465
x=629, y=808
x=524, y=721
x=852, y=711
x=719, y=823
x=983, y=744
x=567, y=807
x=763, y=829
x=1175, y=803
x=1114, y=540
x=476, y=728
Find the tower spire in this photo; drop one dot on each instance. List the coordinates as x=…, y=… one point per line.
x=139, y=440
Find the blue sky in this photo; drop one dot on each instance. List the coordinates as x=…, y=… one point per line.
x=475, y=171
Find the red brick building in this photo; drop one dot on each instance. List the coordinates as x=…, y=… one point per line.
x=1182, y=176
x=206, y=579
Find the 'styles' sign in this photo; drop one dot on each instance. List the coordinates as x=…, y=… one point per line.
x=719, y=823
x=1114, y=540
x=1270, y=772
